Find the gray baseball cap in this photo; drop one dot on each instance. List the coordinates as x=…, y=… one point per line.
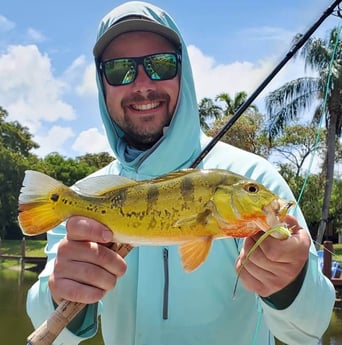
x=131, y=24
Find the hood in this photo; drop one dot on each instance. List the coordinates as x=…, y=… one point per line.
x=180, y=143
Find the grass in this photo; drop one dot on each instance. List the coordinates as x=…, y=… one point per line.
x=13, y=247
x=338, y=252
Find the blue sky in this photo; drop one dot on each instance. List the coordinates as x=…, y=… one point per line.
x=46, y=65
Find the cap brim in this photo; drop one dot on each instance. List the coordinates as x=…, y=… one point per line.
x=130, y=25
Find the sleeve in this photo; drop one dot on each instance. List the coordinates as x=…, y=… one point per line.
x=40, y=305
x=305, y=320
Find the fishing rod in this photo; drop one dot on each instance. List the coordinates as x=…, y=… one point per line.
x=297, y=45
x=66, y=311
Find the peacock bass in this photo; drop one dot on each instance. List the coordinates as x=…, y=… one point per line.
x=188, y=207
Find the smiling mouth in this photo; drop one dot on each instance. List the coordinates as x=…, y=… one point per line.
x=144, y=107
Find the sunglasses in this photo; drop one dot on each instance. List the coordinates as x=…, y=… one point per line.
x=123, y=71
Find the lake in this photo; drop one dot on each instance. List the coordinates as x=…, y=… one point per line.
x=16, y=326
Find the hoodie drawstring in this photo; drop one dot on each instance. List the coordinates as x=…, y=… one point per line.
x=166, y=284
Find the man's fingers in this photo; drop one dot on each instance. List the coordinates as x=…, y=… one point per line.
x=86, y=229
x=90, y=252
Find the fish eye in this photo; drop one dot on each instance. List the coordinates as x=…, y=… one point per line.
x=251, y=188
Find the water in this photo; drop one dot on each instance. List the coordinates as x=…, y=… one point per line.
x=16, y=326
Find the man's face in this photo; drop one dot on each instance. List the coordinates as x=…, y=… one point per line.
x=144, y=107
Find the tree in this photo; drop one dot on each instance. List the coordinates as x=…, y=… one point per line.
x=311, y=199
x=233, y=104
x=297, y=143
x=96, y=160
x=208, y=110
x=247, y=133
x=292, y=99
x=15, y=157
x=66, y=170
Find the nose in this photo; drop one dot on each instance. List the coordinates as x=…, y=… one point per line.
x=142, y=82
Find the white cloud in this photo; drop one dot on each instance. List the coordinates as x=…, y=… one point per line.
x=212, y=78
x=35, y=35
x=91, y=141
x=53, y=140
x=88, y=84
x=32, y=95
x=76, y=69
x=5, y=24
x=29, y=91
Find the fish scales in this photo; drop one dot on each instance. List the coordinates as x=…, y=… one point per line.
x=158, y=206
x=189, y=207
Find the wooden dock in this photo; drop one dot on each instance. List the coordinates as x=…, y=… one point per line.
x=327, y=260
x=23, y=259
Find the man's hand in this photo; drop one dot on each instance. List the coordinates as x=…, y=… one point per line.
x=85, y=268
x=275, y=263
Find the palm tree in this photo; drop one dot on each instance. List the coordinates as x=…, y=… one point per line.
x=208, y=111
x=233, y=104
x=292, y=99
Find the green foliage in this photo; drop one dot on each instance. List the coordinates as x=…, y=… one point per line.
x=311, y=199
x=287, y=103
x=336, y=205
x=33, y=247
x=97, y=161
x=297, y=143
x=66, y=170
x=15, y=157
x=208, y=111
x=247, y=133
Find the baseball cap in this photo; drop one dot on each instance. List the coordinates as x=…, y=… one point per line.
x=130, y=24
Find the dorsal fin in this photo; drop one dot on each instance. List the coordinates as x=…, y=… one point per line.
x=99, y=185
x=172, y=175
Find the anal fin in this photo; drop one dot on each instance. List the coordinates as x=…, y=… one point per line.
x=194, y=253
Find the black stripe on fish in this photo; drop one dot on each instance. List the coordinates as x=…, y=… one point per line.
x=152, y=196
x=187, y=189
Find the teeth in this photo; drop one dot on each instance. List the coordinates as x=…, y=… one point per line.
x=145, y=106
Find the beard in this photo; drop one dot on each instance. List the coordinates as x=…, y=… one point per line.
x=144, y=137
x=147, y=132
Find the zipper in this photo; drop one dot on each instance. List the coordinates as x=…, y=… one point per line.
x=166, y=284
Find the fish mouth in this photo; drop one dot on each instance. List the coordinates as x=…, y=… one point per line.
x=276, y=211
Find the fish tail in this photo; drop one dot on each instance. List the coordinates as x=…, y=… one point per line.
x=37, y=203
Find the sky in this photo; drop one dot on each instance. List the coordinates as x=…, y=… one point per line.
x=47, y=76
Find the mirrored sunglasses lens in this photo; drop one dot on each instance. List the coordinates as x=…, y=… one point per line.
x=161, y=66
x=120, y=71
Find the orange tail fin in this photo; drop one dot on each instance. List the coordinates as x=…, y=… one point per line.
x=37, y=213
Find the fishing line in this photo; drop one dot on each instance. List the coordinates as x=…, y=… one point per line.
x=43, y=332
x=323, y=114
x=257, y=328
x=324, y=105
x=297, y=45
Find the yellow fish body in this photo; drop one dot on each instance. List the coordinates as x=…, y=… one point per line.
x=187, y=207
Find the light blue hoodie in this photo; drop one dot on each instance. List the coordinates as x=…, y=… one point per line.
x=156, y=302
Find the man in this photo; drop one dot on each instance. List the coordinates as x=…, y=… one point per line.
x=149, y=109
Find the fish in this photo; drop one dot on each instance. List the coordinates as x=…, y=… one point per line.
x=189, y=207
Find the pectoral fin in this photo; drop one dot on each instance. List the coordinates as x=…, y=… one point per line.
x=195, y=219
x=194, y=253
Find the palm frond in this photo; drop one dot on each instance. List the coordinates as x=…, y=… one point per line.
x=289, y=101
